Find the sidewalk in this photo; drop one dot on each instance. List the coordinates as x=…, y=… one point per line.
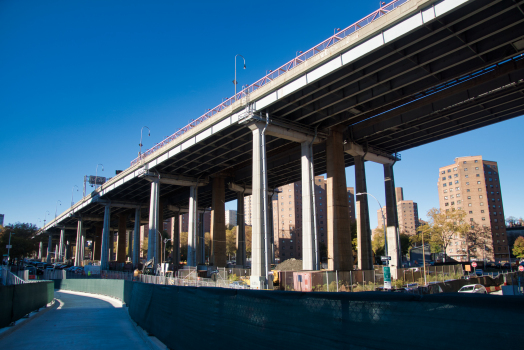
x=82, y=321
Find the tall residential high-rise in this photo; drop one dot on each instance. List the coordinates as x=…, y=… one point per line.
x=231, y=218
x=473, y=185
x=287, y=217
x=407, y=212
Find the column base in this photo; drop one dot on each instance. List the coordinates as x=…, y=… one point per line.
x=258, y=282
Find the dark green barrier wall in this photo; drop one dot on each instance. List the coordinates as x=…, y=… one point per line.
x=187, y=318
x=16, y=301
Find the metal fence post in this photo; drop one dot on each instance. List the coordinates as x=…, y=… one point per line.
x=336, y=276
x=351, y=280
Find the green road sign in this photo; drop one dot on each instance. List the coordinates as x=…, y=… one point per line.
x=387, y=277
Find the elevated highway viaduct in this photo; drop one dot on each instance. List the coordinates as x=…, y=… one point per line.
x=413, y=72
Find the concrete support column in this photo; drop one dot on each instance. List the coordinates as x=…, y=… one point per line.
x=56, y=253
x=129, y=242
x=201, y=241
x=97, y=244
x=68, y=250
x=271, y=240
x=40, y=250
x=192, y=226
x=136, y=239
x=80, y=226
x=154, y=227
x=122, y=233
x=363, y=228
x=61, y=246
x=392, y=220
x=111, y=244
x=340, y=253
x=175, y=239
x=218, y=255
x=310, y=260
x=104, y=254
x=82, y=245
x=49, y=248
x=241, y=231
x=259, y=215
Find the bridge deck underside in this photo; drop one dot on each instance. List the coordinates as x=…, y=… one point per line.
x=391, y=99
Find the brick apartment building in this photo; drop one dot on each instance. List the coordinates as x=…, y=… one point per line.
x=472, y=184
x=407, y=211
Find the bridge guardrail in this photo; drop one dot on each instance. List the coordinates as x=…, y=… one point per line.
x=298, y=60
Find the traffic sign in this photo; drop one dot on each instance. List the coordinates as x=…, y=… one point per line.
x=385, y=258
x=9, y=246
x=474, y=264
x=521, y=268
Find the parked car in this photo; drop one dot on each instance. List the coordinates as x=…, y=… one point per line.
x=473, y=288
x=506, y=265
x=238, y=285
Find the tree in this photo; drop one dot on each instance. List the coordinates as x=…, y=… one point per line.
x=477, y=238
x=377, y=242
x=23, y=240
x=518, y=247
x=405, y=243
x=249, y=231
x=231, y=242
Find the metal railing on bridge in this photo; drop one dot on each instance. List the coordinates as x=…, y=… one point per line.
x=298, y=60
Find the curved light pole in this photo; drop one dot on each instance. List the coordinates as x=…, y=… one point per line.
x=46, y=213
x=96, y=173
x=235, y=81
x=383, y=224
x=140, y=144
x=56, y=208
x=72, y=191
x=335, y=32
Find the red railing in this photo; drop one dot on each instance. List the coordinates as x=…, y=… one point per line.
x=276, y=73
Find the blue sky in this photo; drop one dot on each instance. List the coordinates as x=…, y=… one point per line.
x=80, y=78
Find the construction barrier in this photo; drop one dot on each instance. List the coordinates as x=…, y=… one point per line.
x=18, y=300
x=189, y=317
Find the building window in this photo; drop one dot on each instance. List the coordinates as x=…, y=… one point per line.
x=446, y=204
x=469, y=197
x=450, y=183
x=465, y=169
x=444, y=178
x=480, y=189
x=476, y=161
x=467, y=190
x=467, y=176
x=481, y=203
x=454, y=169
x=483, y=219
x=480, y=196
x=444, y=185
x=456, y=175
x=456, y=182
x=442, y=172
x=490, y=179
x=469, y=204
x=445, y=197
x=471, y=212
x=452, y=203
x=457, y=188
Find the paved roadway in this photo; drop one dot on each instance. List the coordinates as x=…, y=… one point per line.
x=82, y=321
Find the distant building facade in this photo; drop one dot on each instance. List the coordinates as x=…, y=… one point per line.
x=472, y=184
x=231, y=218
x=407, y=211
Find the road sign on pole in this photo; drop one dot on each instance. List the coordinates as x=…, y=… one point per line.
x=9, y=246
x=474, y=264
x=387, y=277
x=385, y=258
x=521, y=268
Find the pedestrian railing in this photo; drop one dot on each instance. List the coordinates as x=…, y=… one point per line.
x=9, y=278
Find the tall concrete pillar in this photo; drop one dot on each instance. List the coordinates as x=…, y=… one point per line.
x=363, y=228
x=201, y=241
x=392, y=219
x=136, y=239
x=154, y=227
x=259, y=263
x=310, y=260
x=104, y=254
x=97, y=244
x=82, y=245
x=129, y=239
x=122, y=233
x=49, y=248
x=56, y=253
x=61, y=246
x=175, y=239
x=241, y=231
x=192, y=226
x=340, y=253
x=271, y=240
x=111, y=245
x=79, y=228
x=218, y=255
x=68, y=250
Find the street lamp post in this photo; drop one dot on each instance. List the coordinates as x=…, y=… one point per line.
x=383, y=224
x=72, y=191
x=56, y=208
x=235, y=81
x=9, y=248
x=336, y=30
x=96, y=173
x=45, y=215
x=140, y=144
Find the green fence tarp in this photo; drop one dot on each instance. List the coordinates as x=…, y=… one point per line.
x=112, y=288
x=16, y=301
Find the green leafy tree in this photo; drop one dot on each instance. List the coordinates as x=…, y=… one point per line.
x=518, y=247
x=377, y=242
x=231, y=241
x=405, y=243
x=23, y=240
